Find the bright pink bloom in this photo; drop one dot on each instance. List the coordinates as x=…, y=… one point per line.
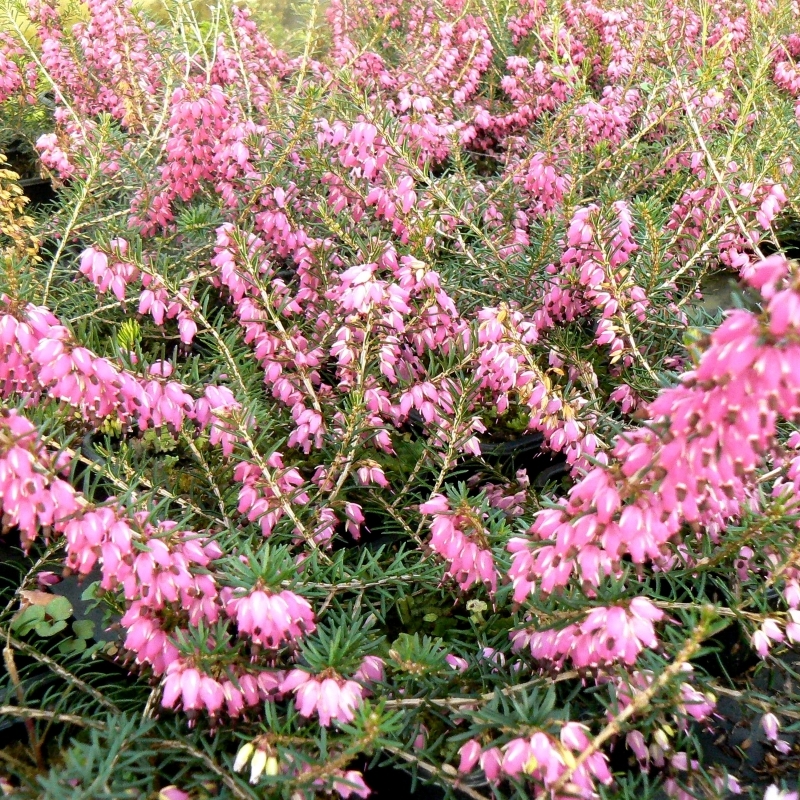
x=272, y=619
x=454, y=537
x=470, y=753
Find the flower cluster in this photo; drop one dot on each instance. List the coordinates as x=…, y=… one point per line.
x=606, y=636
x=461, y=541
x=595, y=274
x=271, y=620
x=40, y=358
x=329, y=697
x=547, y=761
x=742, y=386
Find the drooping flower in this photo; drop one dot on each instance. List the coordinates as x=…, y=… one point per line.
x=272, y=619
x=330, y=697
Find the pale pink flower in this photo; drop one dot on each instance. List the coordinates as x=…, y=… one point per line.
x=765, y=636
x=331, y=698
x=771, y=726
x=351, y=783
x=774, y=793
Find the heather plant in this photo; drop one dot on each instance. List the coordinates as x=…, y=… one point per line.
x=274, y=362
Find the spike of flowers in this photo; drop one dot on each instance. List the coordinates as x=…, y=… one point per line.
x=742, y=386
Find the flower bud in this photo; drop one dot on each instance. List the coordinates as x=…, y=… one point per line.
x=272, y=766
x=172, y=793
x=771, y=726
x=257, y=765
x=661, y=738
x=243, y=756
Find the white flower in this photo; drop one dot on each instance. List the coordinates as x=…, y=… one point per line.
x=258, y=763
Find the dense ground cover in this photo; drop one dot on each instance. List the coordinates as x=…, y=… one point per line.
x=368, y=390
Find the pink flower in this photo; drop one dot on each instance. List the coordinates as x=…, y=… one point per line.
x=331, y=698
x=470, y=753
x=636, y=741
x=456, y=538
x=771, y=726
x=695, y=703
x=46, y=579
x=764, y=637
x=272, y=620
x=774, y=793
x=608, y=634
x=765, y=275
x=457, y=663
x=370, y=671
x=436, y=505
x=355, y=519
x=173, y=793
x=194, y=690
x=161, y=369
x=350, y=783
x=491, y=761
x=793, y=626
x=370, y=472
x=421, y=738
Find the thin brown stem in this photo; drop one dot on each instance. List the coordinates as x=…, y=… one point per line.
x=11, y=668
x=30, y=714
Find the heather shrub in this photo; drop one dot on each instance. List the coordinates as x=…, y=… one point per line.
x=369, y=392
